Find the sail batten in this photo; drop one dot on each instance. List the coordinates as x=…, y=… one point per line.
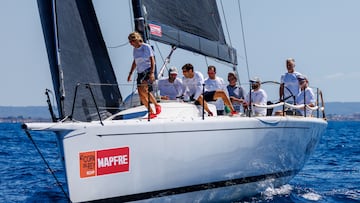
x=190, y=25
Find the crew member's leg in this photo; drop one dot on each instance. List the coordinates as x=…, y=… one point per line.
x=204, y=104
x=221, y=94
x=143, y=94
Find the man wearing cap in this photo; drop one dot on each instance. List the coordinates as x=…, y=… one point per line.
x=256, y=96
x=289, y=86
x=306, y=96
x=170, y=88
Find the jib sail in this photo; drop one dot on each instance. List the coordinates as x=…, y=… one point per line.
x=78, y=55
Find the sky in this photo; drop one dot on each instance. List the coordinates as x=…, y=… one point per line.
x=322, y=36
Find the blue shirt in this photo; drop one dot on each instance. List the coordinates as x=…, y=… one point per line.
x=237, y=92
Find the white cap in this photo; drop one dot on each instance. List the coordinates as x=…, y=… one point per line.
x=301, y=77
x=173, y=70
x=255, y=79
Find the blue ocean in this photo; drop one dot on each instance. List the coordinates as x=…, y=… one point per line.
x=332, y=174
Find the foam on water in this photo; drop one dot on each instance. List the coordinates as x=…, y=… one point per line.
x=270, y=192
x=311, y=196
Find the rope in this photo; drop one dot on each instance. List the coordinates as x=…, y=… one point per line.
x=226, y=25
x=300, y=106
x=244, y=43
x=131, y=28
x=161, y=56
x=117, y=46
x=234, y=69
x=206, y=61
x=46, y=163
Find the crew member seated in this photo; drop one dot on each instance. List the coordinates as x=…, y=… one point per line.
x=256, y=96
x=306, y=96
x=193, y=86
x=170, y=88
x=215, y=88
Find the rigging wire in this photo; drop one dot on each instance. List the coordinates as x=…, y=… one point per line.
x=228, y=33
x=158, y=48
x=131, y=15
x=226, y=25
x=244, y=43
x=206, y=61
x=46, y=163
x=117, y=46
x=131, y=28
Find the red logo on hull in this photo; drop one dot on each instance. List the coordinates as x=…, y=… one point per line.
x=102, y=162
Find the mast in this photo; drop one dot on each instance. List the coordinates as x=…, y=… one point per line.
x=58, y=60
x=139, y=19
x=140, y=24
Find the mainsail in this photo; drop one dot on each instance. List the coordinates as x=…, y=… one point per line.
x=193, y=25
x=78, y=55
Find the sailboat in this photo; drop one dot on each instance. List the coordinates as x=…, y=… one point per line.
x=113, y=152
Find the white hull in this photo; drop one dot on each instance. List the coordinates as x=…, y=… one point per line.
x=185, y=158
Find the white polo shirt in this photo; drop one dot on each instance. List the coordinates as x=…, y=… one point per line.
x=193, y=86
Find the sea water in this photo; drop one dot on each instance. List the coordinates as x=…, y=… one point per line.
x=332, y=174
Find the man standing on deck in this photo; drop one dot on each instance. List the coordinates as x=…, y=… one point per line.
x=289, y=85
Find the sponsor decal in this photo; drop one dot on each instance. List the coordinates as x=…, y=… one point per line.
x=87, y=164
x=155, y=30
x=102, y=162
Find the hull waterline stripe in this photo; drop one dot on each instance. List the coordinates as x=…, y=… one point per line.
x=199, y=187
